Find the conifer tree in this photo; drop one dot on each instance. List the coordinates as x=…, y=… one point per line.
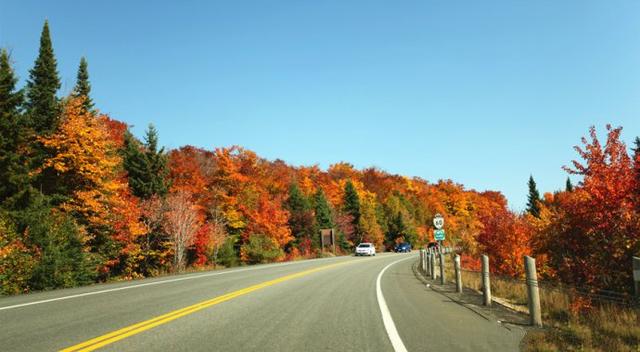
x=352, y=205
x=569, y=185
x=43, y=107
x=300, y=215
x=533, y=207
x=146, y=165
x=83, y=87
x=324, y=219
x=13, y=172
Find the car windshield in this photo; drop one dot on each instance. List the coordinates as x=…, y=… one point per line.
x=364, y=245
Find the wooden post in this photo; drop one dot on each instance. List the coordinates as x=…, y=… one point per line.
x=486, y=283
x=442, y=278
x=433, y=264
x=535, y=313
x=424, y=262
x=636, y=275
x=421, y=262
x=427, y=260
x=456, y=260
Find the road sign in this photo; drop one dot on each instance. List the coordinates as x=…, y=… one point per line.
x=438, y=234
x=438, y=221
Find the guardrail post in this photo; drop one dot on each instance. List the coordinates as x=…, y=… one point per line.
x=424, y=262
x=535, y=313
x=433, y=264
x=486, y=283
x=636, y=275
x=421, y=265
x=427, y=270
x=442, y=278
x=456, y=261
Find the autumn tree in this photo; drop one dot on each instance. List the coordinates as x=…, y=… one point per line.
x=181, y=223
x=82, y=88
x=533, y=198
x=17, y=259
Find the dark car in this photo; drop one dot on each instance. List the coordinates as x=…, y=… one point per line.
x=403, y=248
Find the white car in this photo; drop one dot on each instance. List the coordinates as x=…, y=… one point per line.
x=366, y=249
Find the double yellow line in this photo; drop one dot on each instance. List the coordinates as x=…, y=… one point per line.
x=101, y=341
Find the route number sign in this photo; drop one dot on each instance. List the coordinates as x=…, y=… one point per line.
x=438, y=221
x=438, y=235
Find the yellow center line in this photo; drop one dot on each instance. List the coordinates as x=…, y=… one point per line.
x=101, y=341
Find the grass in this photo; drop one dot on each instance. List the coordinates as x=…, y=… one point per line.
x=568, y=325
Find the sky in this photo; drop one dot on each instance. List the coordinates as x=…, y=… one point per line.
x=484, y=93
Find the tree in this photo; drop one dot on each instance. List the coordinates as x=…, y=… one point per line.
x=181, y=223
x=17, y=260
x=83, y=87
x=569, y=186
x=301, y=219
x=146, y=166
x=351, y=205
x=324, y=217
x=260, y=249
x=42, y=105
x=533, y=207
x=14, y=177
x=636, y=172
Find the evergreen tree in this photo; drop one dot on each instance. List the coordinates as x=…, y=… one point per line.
x=352, y=202
x=324, y=219
x=569, y=185
x=14, y=178
x=42, y=106
x=83, y=87
x=301, y=218
x=146, y=165
x=533, y=207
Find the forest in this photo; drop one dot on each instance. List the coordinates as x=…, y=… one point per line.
x=82, y=200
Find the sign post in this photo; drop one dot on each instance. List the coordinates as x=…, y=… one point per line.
x=328, y=236
x=438, y=234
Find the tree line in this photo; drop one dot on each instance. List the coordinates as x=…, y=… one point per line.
x=83, y=200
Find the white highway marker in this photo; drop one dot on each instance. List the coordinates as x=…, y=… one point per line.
x=389, y=325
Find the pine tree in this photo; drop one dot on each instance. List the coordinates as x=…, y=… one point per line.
x=301, y=218
x=534, y=197
x=13, y=172
x=324, y=219
x=43, y=107
x=83, y=87
x=352, y=205
x=146, y=165
x=569, y=186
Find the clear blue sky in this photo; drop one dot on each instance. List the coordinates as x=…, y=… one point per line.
x=482, y=92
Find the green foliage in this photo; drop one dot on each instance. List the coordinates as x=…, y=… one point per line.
x=569, y=186
x=533, y=202
x=63, y=259
x=17, y=261
x=301, y=219
x=260, y=249
x=227, y=254
x=146, y=166
x=83, y=87
x=14, y=174
x=43, y=107
x=352, y=203
x=324, y=217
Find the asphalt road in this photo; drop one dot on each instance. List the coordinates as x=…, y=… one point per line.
x=316, y=305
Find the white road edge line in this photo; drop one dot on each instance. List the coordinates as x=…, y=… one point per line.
x=154, y=283
x=389, y=325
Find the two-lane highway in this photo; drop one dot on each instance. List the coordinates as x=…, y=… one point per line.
x=316, y=305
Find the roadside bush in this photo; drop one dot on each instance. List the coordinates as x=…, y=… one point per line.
x=17, y=261
x=260, y=249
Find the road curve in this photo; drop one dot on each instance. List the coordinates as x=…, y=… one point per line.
x=315, y=305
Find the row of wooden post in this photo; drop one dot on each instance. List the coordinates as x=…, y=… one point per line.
x=428, y=267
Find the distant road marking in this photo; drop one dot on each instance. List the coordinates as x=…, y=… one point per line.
x=190, y=277
x=389, y=325
x=134, y=329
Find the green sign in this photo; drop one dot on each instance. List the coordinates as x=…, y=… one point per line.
x=438, y=235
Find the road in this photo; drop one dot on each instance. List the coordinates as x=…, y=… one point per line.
x=316, y=305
